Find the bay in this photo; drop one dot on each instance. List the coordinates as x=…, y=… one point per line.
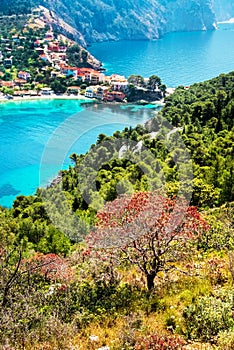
x=178, y=58
x=37, y=138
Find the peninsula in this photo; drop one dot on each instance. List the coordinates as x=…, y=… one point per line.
x=36, y=60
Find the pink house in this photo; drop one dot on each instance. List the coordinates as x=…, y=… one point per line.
x=114, y=96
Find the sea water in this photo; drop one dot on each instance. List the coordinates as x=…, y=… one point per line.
x=37, y=138
x=42, y=134
x=178, y=58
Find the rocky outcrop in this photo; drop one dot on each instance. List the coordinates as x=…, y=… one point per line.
x=100, y=20
x=224, y=9
x=190, y=15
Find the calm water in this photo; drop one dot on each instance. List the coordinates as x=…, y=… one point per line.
x=37, y=138
x=178, y=58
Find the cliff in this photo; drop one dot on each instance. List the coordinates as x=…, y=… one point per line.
x=224, y=9
x=100, y=20
x=133, y=19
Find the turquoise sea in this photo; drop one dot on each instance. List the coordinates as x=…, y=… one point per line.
x=37, y=137
x=177, y=58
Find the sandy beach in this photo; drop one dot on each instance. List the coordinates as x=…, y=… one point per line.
x=70, y=97
x=44, y=97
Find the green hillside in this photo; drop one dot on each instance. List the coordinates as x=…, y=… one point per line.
x=58, y=290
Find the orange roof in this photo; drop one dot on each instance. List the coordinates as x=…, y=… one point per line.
x=20, y=81
x=7, y=83
x=64, y=66
x=87, y=70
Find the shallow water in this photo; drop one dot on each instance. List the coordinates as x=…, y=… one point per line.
x=37, y=138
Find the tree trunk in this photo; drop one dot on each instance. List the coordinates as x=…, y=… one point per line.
x=150, y=281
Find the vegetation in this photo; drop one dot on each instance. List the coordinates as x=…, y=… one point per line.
x=16, y=7
x=24, y=47
x=72, y=284
x=30, y=45
x=149, y=231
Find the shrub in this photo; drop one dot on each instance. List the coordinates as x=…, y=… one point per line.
x=216, y=268
x=226, y=340
x=208, y=316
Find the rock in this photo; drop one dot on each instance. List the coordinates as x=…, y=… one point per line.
x=132, y=19
x=224, y=9
x=94, y=338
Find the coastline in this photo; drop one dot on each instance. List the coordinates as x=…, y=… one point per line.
x=229, y=21
x=23, y=178
x=45, y=97
x=4, y=99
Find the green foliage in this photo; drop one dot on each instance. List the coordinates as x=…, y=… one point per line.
x=208, y=316
x=22, y=48
x=205, y=114
x=220, y=236
x=10, y=7
x=226, y=340
x=86, y=302
x=58, y=86
x=77, y=56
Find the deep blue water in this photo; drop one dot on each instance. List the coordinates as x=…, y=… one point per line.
x=37, y=137
x=177, y=58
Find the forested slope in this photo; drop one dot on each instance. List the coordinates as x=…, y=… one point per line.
x=204, y=115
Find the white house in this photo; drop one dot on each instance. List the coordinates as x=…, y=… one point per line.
x=24, y=75
x=119, y=85
x=89, y=92
x=46, y=91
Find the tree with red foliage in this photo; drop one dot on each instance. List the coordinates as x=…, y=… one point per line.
x=51, y=266
x=151, y=231
x=160, y=342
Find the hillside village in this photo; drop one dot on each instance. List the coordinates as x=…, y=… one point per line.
x=36, y=60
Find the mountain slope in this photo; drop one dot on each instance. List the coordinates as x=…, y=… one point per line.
x=99, y=20
x=133, y=19
x=224, y=9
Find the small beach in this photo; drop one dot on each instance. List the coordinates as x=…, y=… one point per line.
x=44, y=97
